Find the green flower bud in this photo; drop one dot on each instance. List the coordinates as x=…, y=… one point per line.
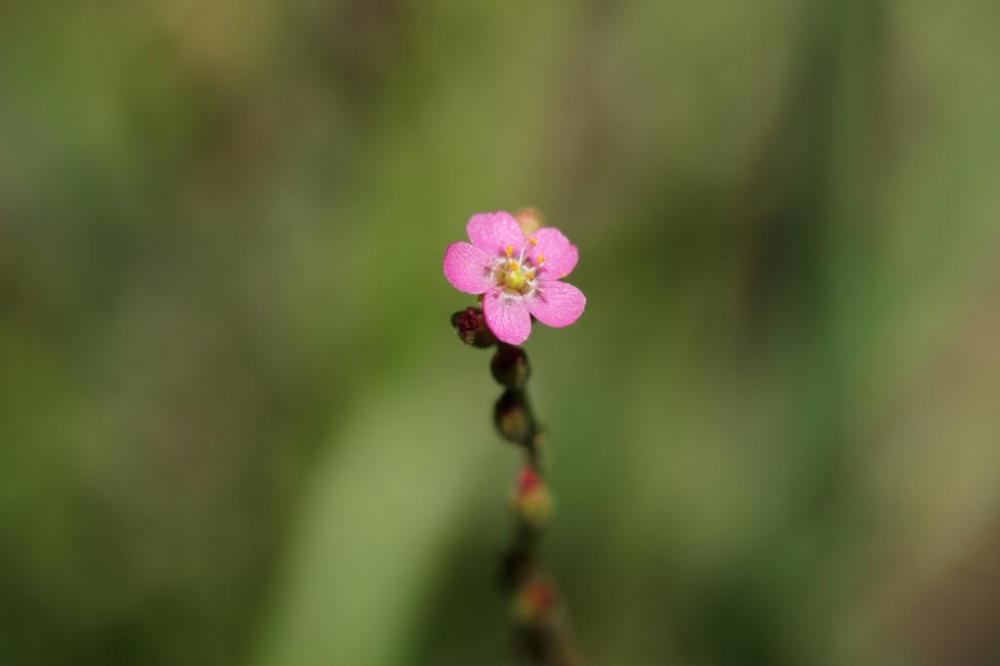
x=513, y=417
x=510, y=366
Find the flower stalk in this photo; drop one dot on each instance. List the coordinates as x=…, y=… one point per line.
x=515, y=265
x=540, y=628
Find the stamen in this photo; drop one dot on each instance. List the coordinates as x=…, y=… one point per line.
x=509, y=251
x=515, y=266
x=540, y=259
x=533, y=241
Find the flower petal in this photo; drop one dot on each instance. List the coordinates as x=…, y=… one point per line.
x=557, y=304
x=493, y=232
x=507, y=316
x=468, y=268
x=560, y=255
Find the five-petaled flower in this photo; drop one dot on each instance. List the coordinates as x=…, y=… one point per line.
x=517, y=275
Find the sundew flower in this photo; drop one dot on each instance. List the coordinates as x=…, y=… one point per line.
x=518, y=275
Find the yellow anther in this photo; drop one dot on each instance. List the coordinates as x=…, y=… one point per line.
x=509, y=250
x=514, y=266
x=533, y=241
x=540, y=260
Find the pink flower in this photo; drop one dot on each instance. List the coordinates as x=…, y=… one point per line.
x=518, y=276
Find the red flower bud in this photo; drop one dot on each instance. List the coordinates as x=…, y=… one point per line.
x=535, y=600
x=533, y=500
x=472, y=329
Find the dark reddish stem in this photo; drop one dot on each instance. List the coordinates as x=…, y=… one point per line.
x=541, y=630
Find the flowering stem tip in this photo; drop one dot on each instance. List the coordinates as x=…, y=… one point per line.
x=515, y=266
x=517, y=274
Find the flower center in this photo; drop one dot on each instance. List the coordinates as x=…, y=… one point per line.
x=517, y=275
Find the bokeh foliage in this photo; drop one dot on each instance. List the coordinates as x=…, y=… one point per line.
x=235, y=427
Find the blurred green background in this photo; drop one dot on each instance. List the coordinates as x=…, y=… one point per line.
x=237, y=428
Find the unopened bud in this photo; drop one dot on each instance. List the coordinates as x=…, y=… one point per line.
x=533, y=500
x=530, y=219
x=513, y=417
x=471, y=328
x=510, y=366
x=534, y=600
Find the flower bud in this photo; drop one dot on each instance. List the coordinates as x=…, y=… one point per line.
x=471, y=328
x=513, y=417
x=534, y=600
x=530, y=220
x=533, y=500
x=510, y=366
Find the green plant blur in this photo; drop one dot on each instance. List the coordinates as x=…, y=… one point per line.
x=237, y=428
